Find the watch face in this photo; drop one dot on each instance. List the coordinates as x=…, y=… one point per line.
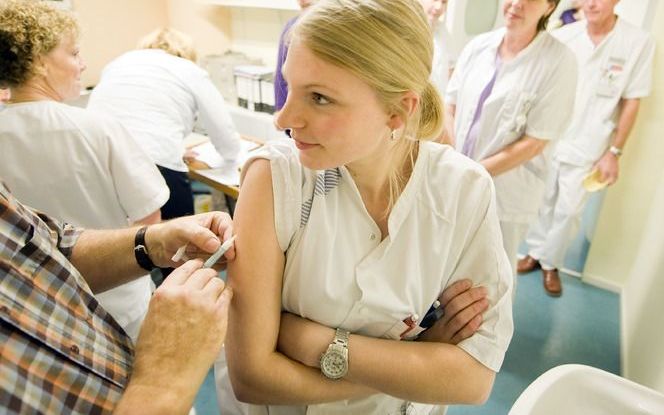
x=334, y=364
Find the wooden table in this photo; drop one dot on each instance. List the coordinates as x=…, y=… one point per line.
x=203, y=173
x=204, y=176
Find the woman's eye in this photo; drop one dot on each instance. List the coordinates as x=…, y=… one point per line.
x=320, y=99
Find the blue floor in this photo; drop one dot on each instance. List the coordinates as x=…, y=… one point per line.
x=582, y=326
x=579, y=327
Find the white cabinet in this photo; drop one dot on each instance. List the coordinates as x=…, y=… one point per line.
x=254, y=124
x=262, y=4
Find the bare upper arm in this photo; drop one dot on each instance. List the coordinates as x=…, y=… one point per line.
x=256, y=273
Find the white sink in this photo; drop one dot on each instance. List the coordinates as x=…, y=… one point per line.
x=585, y=390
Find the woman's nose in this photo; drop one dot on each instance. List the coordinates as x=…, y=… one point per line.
x=289, y=117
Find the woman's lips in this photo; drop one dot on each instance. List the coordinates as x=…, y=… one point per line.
x=304, y=146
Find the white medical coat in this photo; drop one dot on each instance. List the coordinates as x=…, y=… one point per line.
x=339, y=273
x=84, y=169
x=157, y=97
x=619, y=67
x=533, y=94
x=440, y=67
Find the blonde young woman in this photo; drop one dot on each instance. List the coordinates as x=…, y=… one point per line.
x=348, y=232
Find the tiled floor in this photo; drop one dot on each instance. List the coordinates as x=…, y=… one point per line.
x=579, y=327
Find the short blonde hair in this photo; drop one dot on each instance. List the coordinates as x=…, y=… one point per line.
x=170, y=40
x=29, y=29
x=389, y=45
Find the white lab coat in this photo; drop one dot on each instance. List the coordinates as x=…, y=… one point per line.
x=157, y=97
x=339, y=273
x=440, y=66
x=533, y=95
x=619, y=67
x=84, y=169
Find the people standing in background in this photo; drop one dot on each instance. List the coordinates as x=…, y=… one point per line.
x=615, y=71
x=69, y=162
x=511, y=93
x=440, y=68
x=280, y=85
x=352, y=228
x=157, y=92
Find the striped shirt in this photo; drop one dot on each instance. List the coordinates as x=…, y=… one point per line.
x=60, y=351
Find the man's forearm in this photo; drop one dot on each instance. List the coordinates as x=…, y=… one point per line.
x=106, y=259
x=628, y=112
x=154, y=400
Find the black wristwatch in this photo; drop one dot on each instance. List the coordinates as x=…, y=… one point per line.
x=141, y=250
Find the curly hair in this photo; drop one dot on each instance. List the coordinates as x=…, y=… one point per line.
x=29, y=29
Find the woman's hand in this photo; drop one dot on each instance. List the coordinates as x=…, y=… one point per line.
x=463, y=306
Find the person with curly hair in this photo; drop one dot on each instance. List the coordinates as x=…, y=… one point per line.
x=68, y=162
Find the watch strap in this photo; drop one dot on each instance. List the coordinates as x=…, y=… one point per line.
x=341, y=337
x=141, y=250
x=615, y=151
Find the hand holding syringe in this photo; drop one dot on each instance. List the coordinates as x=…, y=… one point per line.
x=209, y=263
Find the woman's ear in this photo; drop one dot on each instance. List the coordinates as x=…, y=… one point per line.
x=407, y=107
x=39, y=67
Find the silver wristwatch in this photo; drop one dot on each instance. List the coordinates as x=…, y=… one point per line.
x=334, y=362
x=615, y=151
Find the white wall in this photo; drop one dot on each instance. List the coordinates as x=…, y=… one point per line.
x=110, y=28
x=208, y=25
x=642, y=305
x=621, y=224
x=628, y=246
x=255, y=32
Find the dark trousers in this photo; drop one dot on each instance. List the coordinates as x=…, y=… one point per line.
x=181, y=201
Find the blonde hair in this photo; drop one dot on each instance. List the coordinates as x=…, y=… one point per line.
x=170, y=40
x=29, y=29
x=389, y=45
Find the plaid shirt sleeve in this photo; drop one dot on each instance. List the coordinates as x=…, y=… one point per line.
x=65, y=235
x=60, y=351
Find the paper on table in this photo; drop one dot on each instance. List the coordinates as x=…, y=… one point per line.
x=223, y=171
x=208, y=154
